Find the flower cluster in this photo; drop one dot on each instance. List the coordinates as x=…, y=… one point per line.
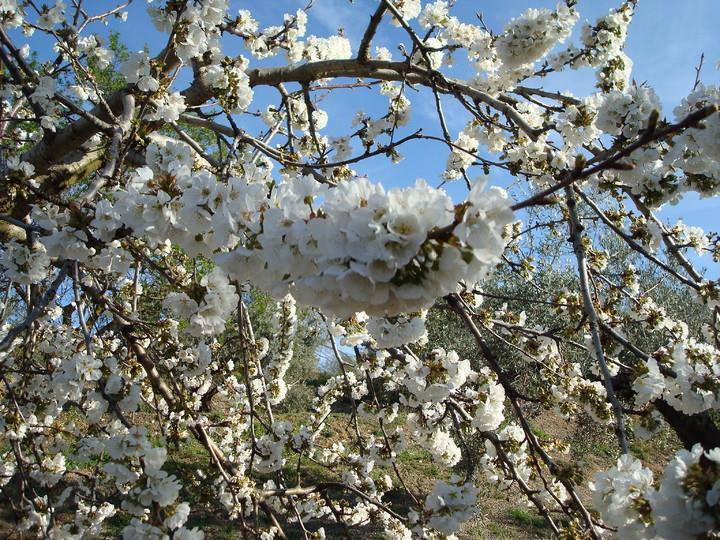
x=434, y=380
x=626, y=113
x=390, y=251
x=531, y=36
x=448, y=505
x=138, y=70
x=207, y=317
x=389, y=332
x=603, y=46
x=576, y=123
x=285, y=323
x=24, y=265
x=314, y=49
x=696, y=151
x=230, y=82
x=408, y=9
x=476, y=41
x=689, y=380
x=685, y=505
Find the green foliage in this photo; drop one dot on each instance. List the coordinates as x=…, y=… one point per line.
x=109, y=78
x=525, y=518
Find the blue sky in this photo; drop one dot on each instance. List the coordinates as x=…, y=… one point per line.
x=665, y=41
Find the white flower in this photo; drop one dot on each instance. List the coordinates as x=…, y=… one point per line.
x=315, y=49
x=137, y=69
x=531, y=36
x=443, y=447
x=619, y=492
x=154, y=459
x=448, y=505
x=168, y=108
x=397, y=331
x=677, y=512
x=408, y=10
x=650, y=385
x=24, y=265
x=627, y=113
x=490, y=412
x=179, y=517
